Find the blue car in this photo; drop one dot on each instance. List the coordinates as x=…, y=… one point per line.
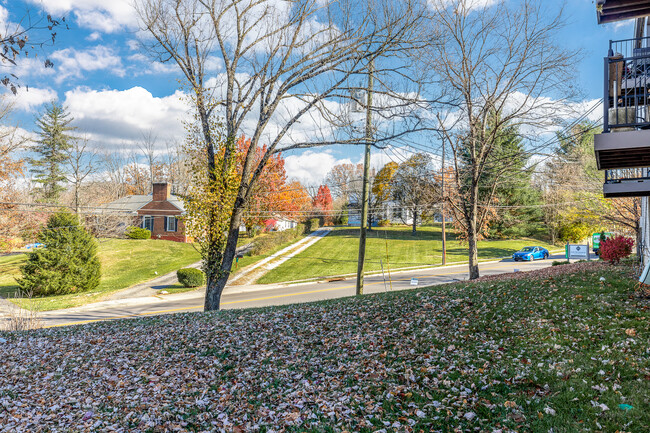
x=530, y=253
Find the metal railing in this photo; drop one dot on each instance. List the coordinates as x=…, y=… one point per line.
x=627, y=85
x=621, y=174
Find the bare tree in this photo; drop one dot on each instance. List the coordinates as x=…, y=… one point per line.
x=147, y=146
x=114, y=167
x=414, y=187
x=501, y=67
x=283, y=63
x=82, y=162
x=19, y=40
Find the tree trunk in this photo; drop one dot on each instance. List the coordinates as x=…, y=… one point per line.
x=76, y=198
x=472, y=238
x=218, y=280
x=415, y=220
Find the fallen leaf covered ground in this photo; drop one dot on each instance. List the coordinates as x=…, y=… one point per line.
x=561, y=352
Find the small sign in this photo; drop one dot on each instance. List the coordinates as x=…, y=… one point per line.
x=578, y=252
x=414, y=281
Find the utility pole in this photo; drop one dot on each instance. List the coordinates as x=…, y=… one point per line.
x=442, y=210
x=366, y=184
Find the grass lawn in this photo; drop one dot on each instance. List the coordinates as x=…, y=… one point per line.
x=337, y=253
x=554, y=350
x=125, y=262
x=9, y=268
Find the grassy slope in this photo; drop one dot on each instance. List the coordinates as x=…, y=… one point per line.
x=124, y=264
x=9, y=268
x=557, y=353
x=337, y=253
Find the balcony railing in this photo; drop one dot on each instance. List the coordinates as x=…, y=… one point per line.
x=627, y=85
x=627, y=182
x=627, y=174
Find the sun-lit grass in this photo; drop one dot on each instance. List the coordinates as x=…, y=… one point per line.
x=395, y=246
x=125, y=262
x=9, y=270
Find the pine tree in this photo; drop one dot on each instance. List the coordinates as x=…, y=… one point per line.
x=68, y=261
x=51, y=147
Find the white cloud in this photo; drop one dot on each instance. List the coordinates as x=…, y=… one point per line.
x=94, y=36
x=144, y=66
x=72, y=63
x=114, y=118
x=108, y=16
x=311, y=167
x=30, y=100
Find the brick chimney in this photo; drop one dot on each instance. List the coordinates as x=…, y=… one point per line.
x=161, y=191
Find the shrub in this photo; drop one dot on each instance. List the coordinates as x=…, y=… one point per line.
x=575, y=231
x=343, y=219
x=273, y=240
x=137, y=233
x=314, y=223
x=190, y=277
x=558, y=263
x=616, y=248
x=67, y=264
x=383, y=223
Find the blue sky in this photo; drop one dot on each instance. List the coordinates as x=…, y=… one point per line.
x=116, y=93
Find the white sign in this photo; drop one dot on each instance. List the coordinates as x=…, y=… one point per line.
x=578, y=252
x=414, y=281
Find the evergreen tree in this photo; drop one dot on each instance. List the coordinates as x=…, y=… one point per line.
x=508, y=180
x=68, y=261
x=51, y=147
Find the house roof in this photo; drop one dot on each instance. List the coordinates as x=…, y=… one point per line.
x=132, y=203
x=609, y=11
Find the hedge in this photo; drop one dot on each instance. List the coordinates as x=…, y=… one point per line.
x=269, y=242
x=314, y=223
x=137, y=233
x=190, y=277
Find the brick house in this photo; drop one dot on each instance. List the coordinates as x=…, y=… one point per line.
x=158, y=212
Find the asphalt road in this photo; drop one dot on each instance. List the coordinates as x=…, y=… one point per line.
x=261, y=296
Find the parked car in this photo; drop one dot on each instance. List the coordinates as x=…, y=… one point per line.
x=530, y=253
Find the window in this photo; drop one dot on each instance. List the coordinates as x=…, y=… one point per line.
x=171, y=224
x=147, y=222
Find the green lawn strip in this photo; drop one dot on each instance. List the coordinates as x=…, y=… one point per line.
x=556, y=353
x=125, y=262
x=251, y=260
x=337, y=253
x=9, y=269
x=178, y=288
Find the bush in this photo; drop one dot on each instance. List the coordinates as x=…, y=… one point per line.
x=575, y=232
x=273, y=240
x=314, y=223
x=616, y=248
x=190, y=277
x=137, y=233
x=558, y=263
x=67, y=264
x=383, y=223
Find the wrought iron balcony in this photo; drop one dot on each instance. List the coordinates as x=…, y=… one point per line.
x=626, y=106
x=627, y=84
x=627, y=182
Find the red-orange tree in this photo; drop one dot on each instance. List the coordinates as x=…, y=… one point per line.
x=265, y=200
x=322, y=203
